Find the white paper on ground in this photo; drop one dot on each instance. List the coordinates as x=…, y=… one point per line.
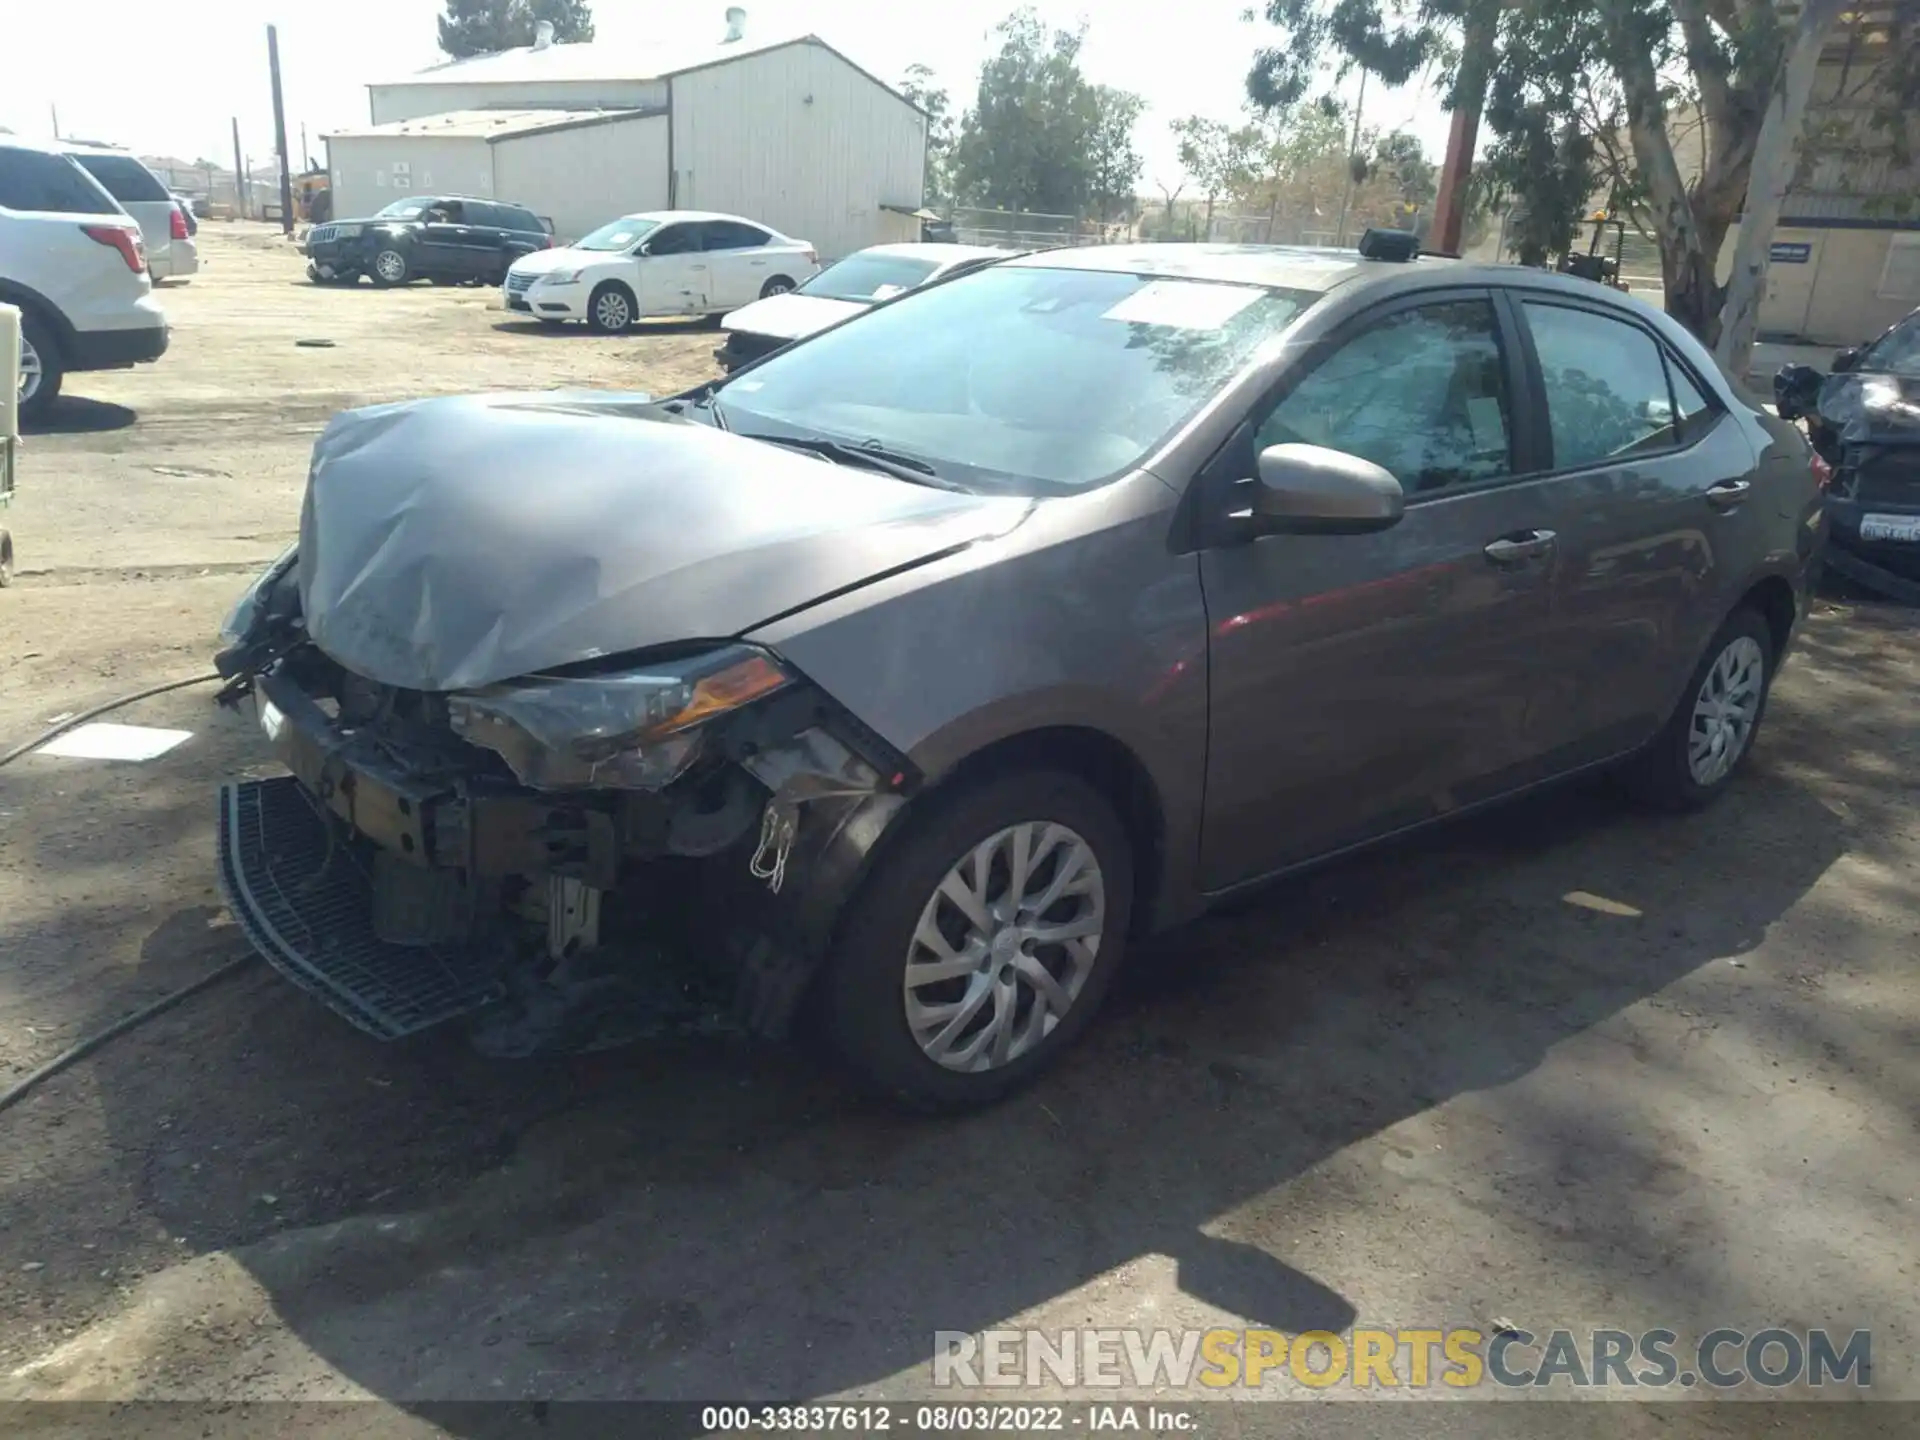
x=105, y=741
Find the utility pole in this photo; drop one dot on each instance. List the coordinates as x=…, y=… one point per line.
x=306, y=155
x=241, y=207
x=280, y=131
x=1470, y=93
x=1353, y=154
x=55, y=109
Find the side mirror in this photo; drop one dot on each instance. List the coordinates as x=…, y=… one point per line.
x=1846, y=360
x=1311, y=490
x=1796, y=390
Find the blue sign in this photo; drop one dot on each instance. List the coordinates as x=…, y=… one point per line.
x=1790, y=252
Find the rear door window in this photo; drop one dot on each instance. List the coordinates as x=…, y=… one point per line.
x=1605, y=383
x=732, y=235
x=35, y=180
x=124, y=177
x=512, y=217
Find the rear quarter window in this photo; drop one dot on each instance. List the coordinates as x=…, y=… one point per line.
x=514, y=218
x=36, y=180
x=124, y=177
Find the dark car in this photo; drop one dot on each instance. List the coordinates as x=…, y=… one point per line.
x=450, y=238
x=1864, y=421
x=899, y=681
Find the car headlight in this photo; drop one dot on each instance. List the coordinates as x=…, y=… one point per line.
x=635, y=729
x=246, y=610
x=559, y=277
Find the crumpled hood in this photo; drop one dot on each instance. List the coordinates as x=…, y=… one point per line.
x=452, y=543
x=789, y=316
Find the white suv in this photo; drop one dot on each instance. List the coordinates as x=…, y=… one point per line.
x=171, y=251
x=75, y=264
x=662, y=262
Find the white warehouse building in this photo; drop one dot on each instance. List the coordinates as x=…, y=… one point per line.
x=786, y=131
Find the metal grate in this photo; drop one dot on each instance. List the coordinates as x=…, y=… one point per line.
x=517, y=283
x=305, y=903
x=320, y=234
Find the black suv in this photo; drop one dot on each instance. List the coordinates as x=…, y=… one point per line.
x=449, y=238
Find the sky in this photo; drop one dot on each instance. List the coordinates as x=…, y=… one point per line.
x=172, y=86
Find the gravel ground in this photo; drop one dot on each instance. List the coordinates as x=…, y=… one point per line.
x=1440, y=1086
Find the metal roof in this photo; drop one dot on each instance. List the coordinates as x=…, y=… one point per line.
x=490, y=125
x=595, y=60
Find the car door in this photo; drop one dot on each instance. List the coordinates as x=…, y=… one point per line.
x=673, y=270
x=737, y=259
x=485, y=243
x=1362, y=683
x=1651, y=496
x=443, y=245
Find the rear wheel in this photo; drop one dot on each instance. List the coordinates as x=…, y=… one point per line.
x=1710, y=734
x=778, y=285
x=983, y=942
x=41, y=370
x=611, y=309
x=6, y=559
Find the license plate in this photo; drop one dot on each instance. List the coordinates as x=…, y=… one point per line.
x=1890, y=527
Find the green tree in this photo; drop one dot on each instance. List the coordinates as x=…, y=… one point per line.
x=1221, y=159
x=1038, y=136
x=482, y=27
x=1585, y=98
x=918, y=87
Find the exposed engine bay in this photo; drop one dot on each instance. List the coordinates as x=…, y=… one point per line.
x=576, y=859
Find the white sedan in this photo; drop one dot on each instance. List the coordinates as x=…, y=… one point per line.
x=845, y=288
x=662, y=262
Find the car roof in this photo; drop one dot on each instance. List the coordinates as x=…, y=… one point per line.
x=663, y=216
x=934, y=251
x=1277, y=267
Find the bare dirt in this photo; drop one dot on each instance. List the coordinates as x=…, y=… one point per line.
x=1441, y=1086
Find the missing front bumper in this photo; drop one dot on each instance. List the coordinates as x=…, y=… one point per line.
x=304, y=896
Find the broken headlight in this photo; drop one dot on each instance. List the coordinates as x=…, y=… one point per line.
x=634, y=730
x=246, y=611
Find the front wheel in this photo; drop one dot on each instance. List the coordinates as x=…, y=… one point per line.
x=390, y=267
x=1702, y=746
x=611, y=309
x=983, y=942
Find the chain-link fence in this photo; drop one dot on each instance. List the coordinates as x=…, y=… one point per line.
x=1032, y=229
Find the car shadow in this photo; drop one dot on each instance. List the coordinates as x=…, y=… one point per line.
x=692, y=1219
x=77, y=415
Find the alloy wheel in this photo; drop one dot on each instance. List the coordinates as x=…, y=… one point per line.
x=1725, y=710
x=31, y=370
x=612, y=312
x=390, y=266
x=1004, y=946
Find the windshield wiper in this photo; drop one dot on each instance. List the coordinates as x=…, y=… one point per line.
x=868, y=454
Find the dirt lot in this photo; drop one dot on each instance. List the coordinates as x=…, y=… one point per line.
x=1566, y=1066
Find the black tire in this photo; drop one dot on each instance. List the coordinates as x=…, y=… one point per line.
x=778, y=285
x=1660, y=776
x=6, y=559
x=863, y=986
x=607, y=317
x=53, y=370
x=399, y=270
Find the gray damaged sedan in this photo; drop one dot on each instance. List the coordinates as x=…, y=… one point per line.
x=894, y=684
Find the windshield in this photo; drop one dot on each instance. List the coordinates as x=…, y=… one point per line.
x=405, y=209
x=869, y=277
x=125, y=178
x=1020, y=378
x=619, y=235
x=1895, y=353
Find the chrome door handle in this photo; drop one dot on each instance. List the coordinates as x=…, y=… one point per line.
x=1728, y=493
x=1514, y=549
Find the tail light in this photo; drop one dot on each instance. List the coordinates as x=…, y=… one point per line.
x=179, y=227
x=1822, y=469
x=813, y=256
x=126, y=241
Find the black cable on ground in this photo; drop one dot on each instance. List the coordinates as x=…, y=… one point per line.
x=93, y=1042
x=54, y=732
x=79, y=1051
